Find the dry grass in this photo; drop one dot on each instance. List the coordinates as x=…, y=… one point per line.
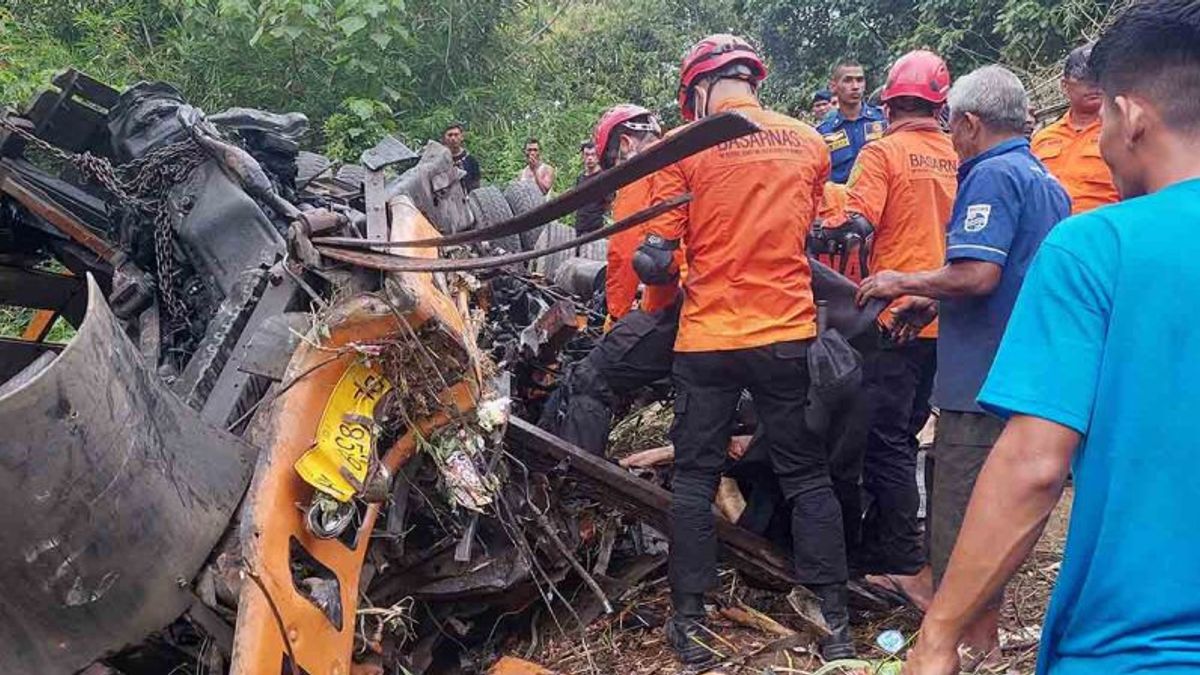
x=619, y=644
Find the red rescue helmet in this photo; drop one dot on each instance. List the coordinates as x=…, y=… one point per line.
x=713, y=54
x=920, y=74
x=625, y=115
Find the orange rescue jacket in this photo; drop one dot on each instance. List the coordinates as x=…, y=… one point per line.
x=621, y=282
x=753, y=201
x=905, y=184
x=1073, y=157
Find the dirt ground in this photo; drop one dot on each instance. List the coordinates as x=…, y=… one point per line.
x=631, y=642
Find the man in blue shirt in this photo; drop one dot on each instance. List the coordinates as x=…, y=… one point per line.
x=1006, y=204
x=854, y=123
x=1097, y=373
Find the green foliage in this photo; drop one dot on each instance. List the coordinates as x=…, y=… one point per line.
x=45, y=37
x=14, y=320
x=1029, y=36
x=508, y=69
x=349, y=133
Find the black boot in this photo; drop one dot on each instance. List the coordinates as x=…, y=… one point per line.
x=834, y=599
x=686, y=632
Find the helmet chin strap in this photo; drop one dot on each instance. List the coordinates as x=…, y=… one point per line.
x=702, y=110
x=625, y=149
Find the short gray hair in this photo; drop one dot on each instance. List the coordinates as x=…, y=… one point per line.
x=994, y=94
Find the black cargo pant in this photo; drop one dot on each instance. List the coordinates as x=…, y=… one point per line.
x=846, y=440
x=707, y=386
x=636, y=352
x=897, y=381
x=843, y=429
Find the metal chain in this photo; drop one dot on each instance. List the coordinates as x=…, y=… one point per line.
x=151, y=177
x=140, y=186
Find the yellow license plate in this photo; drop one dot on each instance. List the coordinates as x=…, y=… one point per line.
x=345, y=441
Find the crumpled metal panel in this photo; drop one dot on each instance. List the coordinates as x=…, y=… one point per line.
x=276, y=621
x=112, y=494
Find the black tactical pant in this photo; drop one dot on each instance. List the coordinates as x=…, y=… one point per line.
x=897, y=383
x=843, y=430
x=846, y=440
x=708, y=386
x=636, y=352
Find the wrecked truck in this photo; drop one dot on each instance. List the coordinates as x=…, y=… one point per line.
x=285, y=436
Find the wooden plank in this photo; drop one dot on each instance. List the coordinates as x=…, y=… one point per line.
x=375, y=194
x=39, y=327
x=75, y=127
x=622, y=490
x=44, y=207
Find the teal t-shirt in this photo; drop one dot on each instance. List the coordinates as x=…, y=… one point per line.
x=1105, y=339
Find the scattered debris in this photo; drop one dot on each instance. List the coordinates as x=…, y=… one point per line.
x=371, y=497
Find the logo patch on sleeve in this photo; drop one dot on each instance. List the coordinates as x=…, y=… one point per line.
x=837, y=140
x=977, y=217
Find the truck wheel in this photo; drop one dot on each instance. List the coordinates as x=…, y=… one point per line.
x=524, y=196
x=597, y=250
x=555, y=233
x=489, y=207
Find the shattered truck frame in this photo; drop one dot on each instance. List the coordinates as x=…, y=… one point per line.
x=217, y=468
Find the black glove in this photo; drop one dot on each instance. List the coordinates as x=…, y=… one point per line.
x=654, y=261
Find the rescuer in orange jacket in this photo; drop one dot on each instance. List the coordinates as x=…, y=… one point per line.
x=636, y=350
x=747, y=322
x=622, y=132
x=1070, y=147
x=902, y=188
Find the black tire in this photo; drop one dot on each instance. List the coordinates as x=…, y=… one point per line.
x=553, y=234
x=523, y=197
x=557, y=233
x=489, y=207
x=597, y=250
x=354, y=174
x=309, y=165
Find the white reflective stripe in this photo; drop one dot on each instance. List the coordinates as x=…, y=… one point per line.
x=990, y=249
x=652, y=125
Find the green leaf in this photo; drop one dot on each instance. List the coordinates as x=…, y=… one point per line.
x=374, y=9
x=362, y=108
x=381, y=39
x=290, y=32
x=352, y=24
x=257, y=34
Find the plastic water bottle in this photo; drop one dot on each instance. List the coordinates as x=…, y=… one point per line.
x=890, y=641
